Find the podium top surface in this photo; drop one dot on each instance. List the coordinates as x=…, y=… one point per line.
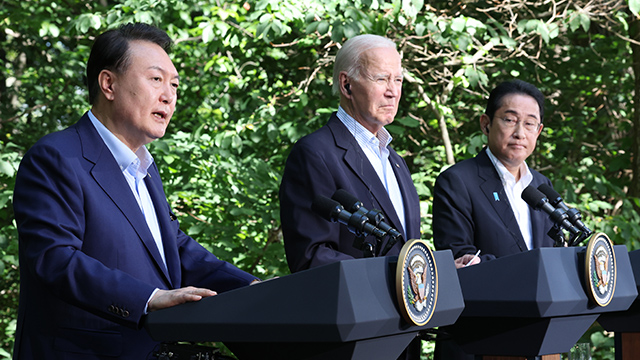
x=344, y=301
x=544, y=282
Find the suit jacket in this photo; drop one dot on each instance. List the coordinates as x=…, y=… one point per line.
x=319, y=164
x=88, y=261
x=471, y=211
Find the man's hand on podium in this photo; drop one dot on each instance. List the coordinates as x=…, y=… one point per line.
x=167, y=298
x=467, y=259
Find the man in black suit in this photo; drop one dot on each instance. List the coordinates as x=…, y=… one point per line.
x=477, y=203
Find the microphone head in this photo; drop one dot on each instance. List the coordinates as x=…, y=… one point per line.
x=533, y=197
x=552, y=195
x=348, y=201
x=328, y=209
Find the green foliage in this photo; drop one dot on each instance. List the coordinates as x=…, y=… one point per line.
x=256, y=77
x=634, y=6
x=9, y=283
x=600, y=341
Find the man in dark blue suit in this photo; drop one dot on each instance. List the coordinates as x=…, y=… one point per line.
x=477, y=203
x=99, y=244
x=350, y=152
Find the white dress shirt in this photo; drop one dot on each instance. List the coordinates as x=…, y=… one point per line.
x=514, y=190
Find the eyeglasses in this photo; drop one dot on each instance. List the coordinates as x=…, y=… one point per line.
x=529, y=125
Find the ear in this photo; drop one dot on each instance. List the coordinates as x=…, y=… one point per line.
x=345, y=86
x=106, y=79
x=540, y=130
x=485, y=123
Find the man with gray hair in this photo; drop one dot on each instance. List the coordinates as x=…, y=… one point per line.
x=351, y=152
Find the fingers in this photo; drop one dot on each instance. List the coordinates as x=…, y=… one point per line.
x=466, y=260
x=460, y=262
x=201, y=292
x=167, y=298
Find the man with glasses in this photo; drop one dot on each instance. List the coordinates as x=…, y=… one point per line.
x=477, y=203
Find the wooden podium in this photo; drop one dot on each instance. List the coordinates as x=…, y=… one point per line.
x=345, y=310
x=626, y=324
x=533, y=303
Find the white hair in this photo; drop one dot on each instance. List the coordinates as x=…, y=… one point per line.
x=349, y=57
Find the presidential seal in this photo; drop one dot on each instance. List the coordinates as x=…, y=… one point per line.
x=416, y=282
x=600, y=269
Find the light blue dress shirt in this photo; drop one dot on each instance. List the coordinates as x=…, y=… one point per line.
x=375, y=148
x=134, y=167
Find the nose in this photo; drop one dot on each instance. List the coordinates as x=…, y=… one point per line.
x=169, y=94
x=394, y=88
x=519, y=131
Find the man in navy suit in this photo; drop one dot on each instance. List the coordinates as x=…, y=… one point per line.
x=477, y=203
x=350, y=152
x=99, y=244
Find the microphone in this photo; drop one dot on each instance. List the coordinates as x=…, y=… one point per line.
x=574, y=215
x=332, y=211
x=375, y=216
x=537, y=200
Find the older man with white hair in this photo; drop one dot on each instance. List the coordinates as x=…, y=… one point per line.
x=351, y=152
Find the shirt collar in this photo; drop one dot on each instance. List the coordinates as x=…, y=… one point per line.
x=505, y=175
x=124, y=156
x=361, y=133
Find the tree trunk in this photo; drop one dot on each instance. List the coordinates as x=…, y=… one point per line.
x=3, y=60
x=634, y=33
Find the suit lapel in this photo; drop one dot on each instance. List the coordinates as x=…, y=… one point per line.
x=406, y=184
x=357, y=161
x=154, y=185
x=116, y=187
x=538, y=221
x=493, y=189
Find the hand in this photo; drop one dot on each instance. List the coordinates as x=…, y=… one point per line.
x=466, y=260
x=167, y=298
x=258, y=281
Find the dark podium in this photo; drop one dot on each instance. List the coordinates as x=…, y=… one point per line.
x=533, y=303
x=345, y=310
x=626, y=324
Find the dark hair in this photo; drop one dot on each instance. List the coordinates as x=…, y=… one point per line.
x=110, y=51
x=509, y=88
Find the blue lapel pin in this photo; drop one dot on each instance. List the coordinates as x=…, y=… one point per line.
x=495, y=196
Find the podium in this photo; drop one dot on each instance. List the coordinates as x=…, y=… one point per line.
x=626, y=324
x=344, y=310
x=533, y=303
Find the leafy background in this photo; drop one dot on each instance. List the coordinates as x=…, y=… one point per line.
x=256, y=76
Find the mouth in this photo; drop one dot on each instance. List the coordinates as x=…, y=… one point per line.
x=160, y=115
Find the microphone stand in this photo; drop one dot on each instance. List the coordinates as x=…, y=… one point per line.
x=580, y=237
x=558, y=236
x=392, y=240
x=560, y=240
x=368, y=249
x=375, y=217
